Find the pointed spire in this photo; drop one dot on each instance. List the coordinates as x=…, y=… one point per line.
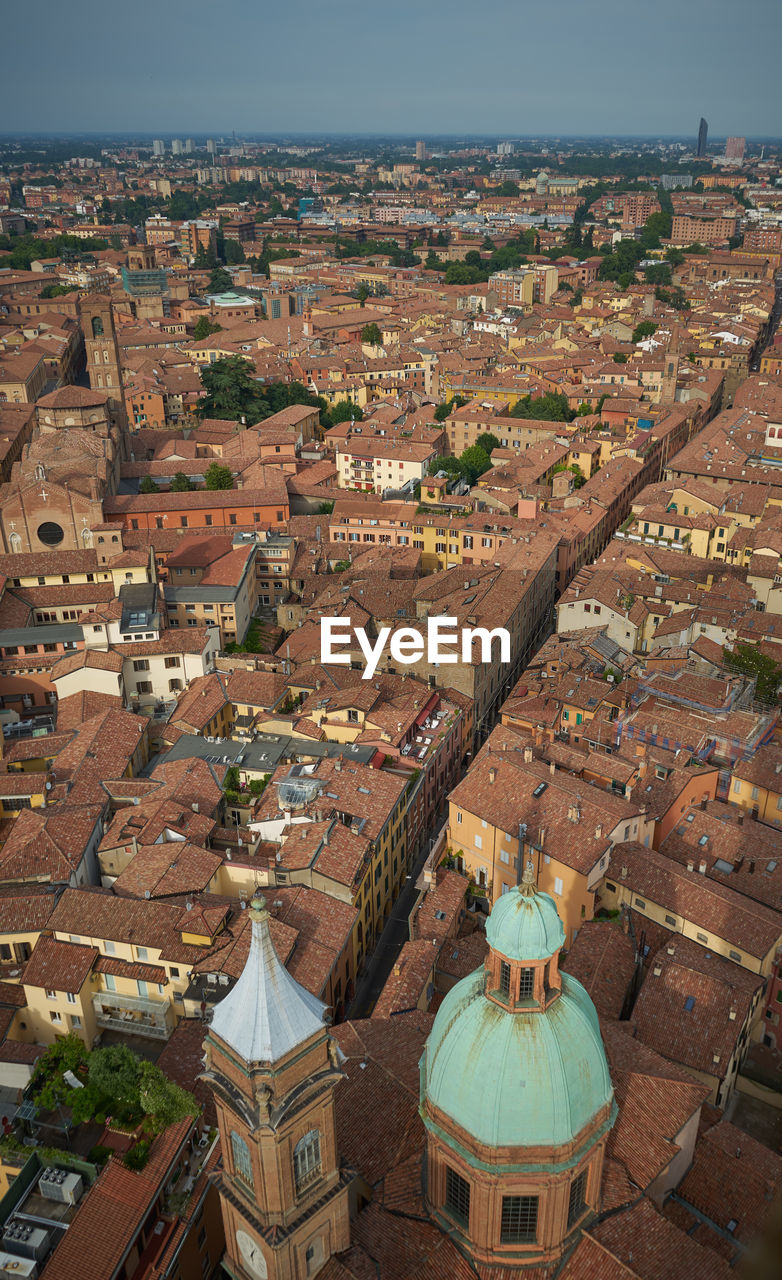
x=267, y=1013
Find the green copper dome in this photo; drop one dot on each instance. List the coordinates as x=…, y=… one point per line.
x=525, y=925
x=516, y=1078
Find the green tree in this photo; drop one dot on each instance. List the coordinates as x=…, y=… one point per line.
x=507, y=189
x=113, y=1071
x=674, y=256
x=163, y=1101
x=205, y=328
x=445, y=463
x=748, y=660
x=148, y=485
x=234, y=253
x=656, y=227
x=643, y=330
x=551, y=407
x=362, y=293
x=487, y=441
x=620, y=357
x=180, y=483
x=444, y=410
x=231, y=391
x=217, y=477
x=219, y=281
x=344, y=411
x=660, y=273
x=231, y=781
x=473, y=462
x=371, y=335
x=56, y=290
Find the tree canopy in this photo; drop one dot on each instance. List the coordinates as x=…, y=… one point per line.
x=113, y=1082
x=371, y=335
x=219, y=281
x=643, y=330
x=205, y=328
x=551, y=407
x=344, y=411
x=217, y=477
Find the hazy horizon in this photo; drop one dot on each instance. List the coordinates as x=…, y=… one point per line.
x=186, y=68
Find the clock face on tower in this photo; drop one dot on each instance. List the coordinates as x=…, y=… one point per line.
x=252, y=1257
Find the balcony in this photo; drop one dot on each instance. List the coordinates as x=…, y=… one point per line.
x=132, y=1014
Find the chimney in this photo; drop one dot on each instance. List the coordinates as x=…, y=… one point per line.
x=732, y=1014
x=528, y=755
x=552, y=768
x=690, y=864
x=492, y=774
x=624, y=873
x=598, y=830
x=338, y=764
x=740, y=818
x=702, y=868
x=657, y=970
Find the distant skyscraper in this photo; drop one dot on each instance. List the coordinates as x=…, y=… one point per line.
x=176, y=146
x=504, y=148
x=158, y=147
x=735, y=148
x=703, y=134
x=421, y=152
x=189, y=146
x=211, y=146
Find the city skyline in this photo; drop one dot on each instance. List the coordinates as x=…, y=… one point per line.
x=422, y=76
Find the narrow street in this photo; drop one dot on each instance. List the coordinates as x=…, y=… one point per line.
x=391, y=941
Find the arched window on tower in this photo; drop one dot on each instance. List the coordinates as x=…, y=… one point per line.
x=306, y=1159
x=97, y=327
x=242, y=1163
x=16, y=543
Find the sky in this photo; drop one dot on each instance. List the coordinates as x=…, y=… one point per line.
x=515, y=68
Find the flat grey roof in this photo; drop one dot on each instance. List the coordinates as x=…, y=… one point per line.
x=55, y=633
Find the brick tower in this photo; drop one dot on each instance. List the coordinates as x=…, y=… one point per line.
x=273, y=1068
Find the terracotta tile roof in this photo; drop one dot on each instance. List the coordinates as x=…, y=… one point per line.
x=77, y=708
x=133, y=969
x=407, y=983
x=684, y=1010
x=25, y=910
x=48, y=844
x=593, y=1261
x=654, y=1248
x=440, y=911
x=733, y=1177
x=73, y=397
x=747, y=925
x=164, y=870
x=655, y=1099
x=59, y=966
x=602, y=958
x=405, y=1249
x=461, y=956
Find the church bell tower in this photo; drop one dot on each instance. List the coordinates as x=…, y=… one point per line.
x=273, y=1069
x=104, y=367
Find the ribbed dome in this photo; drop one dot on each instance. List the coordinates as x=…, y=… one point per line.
x=525, y=925
x=513, y=1078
